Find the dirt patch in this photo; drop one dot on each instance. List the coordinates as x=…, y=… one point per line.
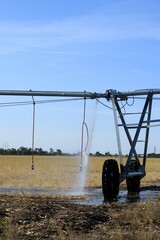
x=28, y=217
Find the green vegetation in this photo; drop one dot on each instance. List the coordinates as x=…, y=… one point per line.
x=28, y=151
x=58, y=152
x=40, y=152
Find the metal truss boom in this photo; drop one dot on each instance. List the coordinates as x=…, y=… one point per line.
x=110, y=93
x=52, y=93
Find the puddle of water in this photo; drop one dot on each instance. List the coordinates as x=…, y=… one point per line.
x=122, y=198
x=89, y=196
x=142, y=196
x=40, y=191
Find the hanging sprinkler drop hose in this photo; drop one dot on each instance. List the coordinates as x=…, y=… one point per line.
x=84, y=126
x=33, y=129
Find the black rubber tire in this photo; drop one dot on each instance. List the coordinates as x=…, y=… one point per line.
x=110, y=179
x=133, y=183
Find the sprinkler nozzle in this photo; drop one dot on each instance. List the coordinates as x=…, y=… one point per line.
x=32, y=167
x=81, y=168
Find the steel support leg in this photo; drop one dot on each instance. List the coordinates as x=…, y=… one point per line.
x=132, y=150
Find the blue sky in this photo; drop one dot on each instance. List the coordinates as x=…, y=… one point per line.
x=90, y=45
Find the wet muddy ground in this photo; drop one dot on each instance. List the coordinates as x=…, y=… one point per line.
x=68, y=214
x=89, y=196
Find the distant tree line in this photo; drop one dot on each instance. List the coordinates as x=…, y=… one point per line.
x=153, y=155
x=58, y=152
x=28, y=151
x=39, y=152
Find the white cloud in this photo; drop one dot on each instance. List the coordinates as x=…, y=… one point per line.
x=98, y=28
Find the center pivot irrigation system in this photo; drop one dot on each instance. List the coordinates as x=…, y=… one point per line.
x=134, y=168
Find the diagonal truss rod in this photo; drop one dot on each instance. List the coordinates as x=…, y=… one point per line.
x=132, y=150
x=146, y=109
x=125, y=128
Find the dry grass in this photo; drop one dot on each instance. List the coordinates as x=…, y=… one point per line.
x=28, y=217
x=152, y=170
x=140, y=221
x=49, y=172
x=59, y=172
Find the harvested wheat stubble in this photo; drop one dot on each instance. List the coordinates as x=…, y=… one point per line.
x=60, y=172
x=59, y=218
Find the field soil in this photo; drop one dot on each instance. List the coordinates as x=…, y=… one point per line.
x=40, y=217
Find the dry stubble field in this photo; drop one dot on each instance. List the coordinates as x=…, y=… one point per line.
x=59, y=217
x=60, y=172
x=50, y=172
